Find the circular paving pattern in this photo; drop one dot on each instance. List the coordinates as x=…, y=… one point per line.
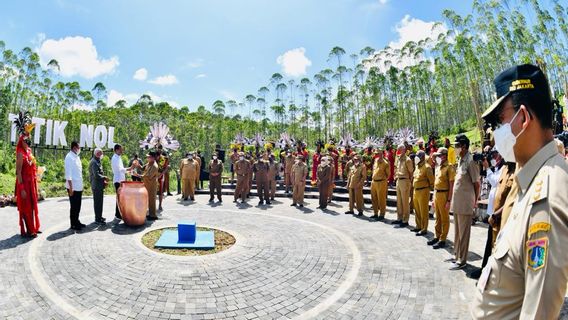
x=278, y=267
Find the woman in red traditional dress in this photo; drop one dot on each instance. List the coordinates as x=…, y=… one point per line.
x=26, y=183
x=316, y=160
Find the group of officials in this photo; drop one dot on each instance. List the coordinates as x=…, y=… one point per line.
x=525, y=268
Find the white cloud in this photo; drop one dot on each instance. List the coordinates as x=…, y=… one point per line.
x=294, y=62
x=140, y=74
x=76, y=56
x=383, y=1
x=166, y=80
x=201, y=75
x=412, y=29
x=131, y=98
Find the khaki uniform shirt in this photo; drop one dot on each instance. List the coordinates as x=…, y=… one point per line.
x=526, y=276
x=150, y=175
x=467, y=174
x=188, y=169
x=242, y=168
x=288, y=163
x=323, y=174
x=299, y=173
x=444, y=175
x=403, y=167
x=261, y=168
x=357, y=176
x=423, y=176
x=380, y=170
x=215, y=169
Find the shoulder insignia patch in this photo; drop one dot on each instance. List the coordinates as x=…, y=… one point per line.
x=537, y=251
x=540, y=188
x=539, y=226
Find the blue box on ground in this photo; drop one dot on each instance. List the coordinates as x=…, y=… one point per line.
x=187, y=231
x=180, y=239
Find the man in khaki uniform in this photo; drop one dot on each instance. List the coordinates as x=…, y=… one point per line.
x=527, y=274
x=403, y=175
x=331, y=178
x=299, y=173
x=379, y=186
x=324, y=172
x=242, y=167
x=464, y=200
x=443, y=189
x=215, y=174
x=288, y=163
x=188, y=171
x=423, y=183
x=272, y=174
x=150, y=179
x=355, y=183
x=261, y=168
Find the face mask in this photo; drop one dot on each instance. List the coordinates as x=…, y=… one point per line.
x=505, y=140
x=297, y=161
x=439, y=161
x=78, y=151
x=416, y=160
x=493, y=162
x=214, y=157
x=190, y=157
x=241, y=158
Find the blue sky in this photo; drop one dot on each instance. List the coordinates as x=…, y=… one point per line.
x=195, y=52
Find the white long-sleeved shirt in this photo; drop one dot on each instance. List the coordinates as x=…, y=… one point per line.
x=493, y=179
x=73, y=171
x=118, y=169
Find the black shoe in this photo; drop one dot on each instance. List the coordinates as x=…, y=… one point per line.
x=235, y=201
x=100, y=221
x=192, y=199
x=396, y=222
x=260, y=203
x=293, y=205
x=211, y=200
x=440, y=245
x=401, y=225
x=380, y=218
x=152, y=218
x=432, y=242
x=220, y=200
x=421, y=233
x=301, y=205
x=268, y=202
x=374, y=217
x=117, y=216
x=360, y=213
x=349, y=212
x=415, y=230
x=169, y=194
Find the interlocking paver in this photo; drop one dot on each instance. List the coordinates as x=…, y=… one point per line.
x=285, y=262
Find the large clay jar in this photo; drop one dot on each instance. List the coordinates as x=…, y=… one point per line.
x=133, y=202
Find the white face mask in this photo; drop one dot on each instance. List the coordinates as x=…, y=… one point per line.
x=493, y=162
x=78, y=152
x=505, y=140
x=241, y=158
x=214, y=157
x=439, y=161
x=416, y=160
x=190, y=157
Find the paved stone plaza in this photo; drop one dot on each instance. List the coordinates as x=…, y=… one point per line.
x=286, y=263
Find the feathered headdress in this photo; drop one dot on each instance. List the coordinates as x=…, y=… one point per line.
x=369, y=142
x=405, y=135
x=285, y=141
x=347, y=141
x=257, y=141
x=24, y=123
x=389, y=137
x=159, y=135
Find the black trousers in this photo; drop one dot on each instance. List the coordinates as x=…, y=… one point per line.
x=488, y=247
x=98, y=198
x=215, y=187
x=75, y=201
x=116, y=212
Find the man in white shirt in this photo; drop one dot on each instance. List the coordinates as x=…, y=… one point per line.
x=74, y=184
x=119, y=172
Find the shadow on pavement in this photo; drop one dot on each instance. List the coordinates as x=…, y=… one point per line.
x=13, y=241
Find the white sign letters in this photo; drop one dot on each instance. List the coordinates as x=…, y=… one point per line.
x=100, y=136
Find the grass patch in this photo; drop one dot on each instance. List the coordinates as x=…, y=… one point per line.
x=223, y=241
